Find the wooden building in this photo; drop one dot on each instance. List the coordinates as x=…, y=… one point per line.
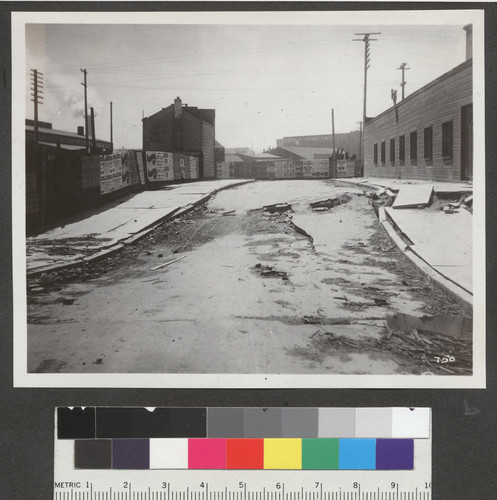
x=183, y=129
x=429, y=134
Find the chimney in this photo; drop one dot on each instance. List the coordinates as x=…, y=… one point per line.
x=177, y=108
x=469, y=41
x=81, y=131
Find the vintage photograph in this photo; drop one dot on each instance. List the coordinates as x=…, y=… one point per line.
x=249, y=199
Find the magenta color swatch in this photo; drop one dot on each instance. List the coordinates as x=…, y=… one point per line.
x=207, y=453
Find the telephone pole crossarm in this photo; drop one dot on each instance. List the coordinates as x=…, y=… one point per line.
x=403, y=67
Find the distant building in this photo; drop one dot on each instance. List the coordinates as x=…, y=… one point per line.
x=185, y=129
x=350, y=141
x=62, y=139
x=219, y=152
x=429, y=134
x=299, y=153
x=240, y=160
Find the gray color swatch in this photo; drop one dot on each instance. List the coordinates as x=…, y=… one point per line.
x=262, y=423
x=373, y=422
x=225, y=422
x=299, y=422
x=336, y=422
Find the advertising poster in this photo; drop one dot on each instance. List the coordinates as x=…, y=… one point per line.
x=110, y=173
x=139, y=163
x=125, y=170
x=159, y=166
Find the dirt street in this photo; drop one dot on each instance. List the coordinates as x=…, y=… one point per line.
x=286, y=289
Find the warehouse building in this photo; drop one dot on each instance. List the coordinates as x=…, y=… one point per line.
x=429, y=134
x=349, y=141
x=53, y=171
x=180, y=128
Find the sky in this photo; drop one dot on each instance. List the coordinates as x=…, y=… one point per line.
x=264, y=81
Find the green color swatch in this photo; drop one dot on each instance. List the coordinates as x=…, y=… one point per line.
x=320, y=454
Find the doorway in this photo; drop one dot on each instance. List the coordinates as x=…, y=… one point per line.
x=467, y=142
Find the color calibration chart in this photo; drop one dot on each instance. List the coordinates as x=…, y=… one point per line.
x=242, y=453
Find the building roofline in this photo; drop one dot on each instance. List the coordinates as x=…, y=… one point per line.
x=65, y=133
x=438, y=80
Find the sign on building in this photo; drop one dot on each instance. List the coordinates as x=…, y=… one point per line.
x=110, y=173
x=159, y=166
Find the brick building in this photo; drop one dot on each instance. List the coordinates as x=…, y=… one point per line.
x=183, y=129
x=429, y=134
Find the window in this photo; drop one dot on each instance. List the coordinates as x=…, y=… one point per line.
x=413, y=153
x=428, y=137
x=383, y=153
x=447, y=141
x=402, y=149
x=392, y=151
x=375, y=154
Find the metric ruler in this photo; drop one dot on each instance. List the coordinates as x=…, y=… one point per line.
x=253, y=486
x=118, y=454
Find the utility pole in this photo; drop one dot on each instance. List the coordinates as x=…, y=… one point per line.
x=333, y=129
x=111, y=122
x=403, y=68
x=86, y=112
x=333, y=156
x=37, y=98
x=366, y=39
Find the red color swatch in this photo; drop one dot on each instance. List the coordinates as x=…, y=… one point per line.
x=245, y=454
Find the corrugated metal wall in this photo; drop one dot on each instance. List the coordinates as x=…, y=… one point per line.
x=437, y=103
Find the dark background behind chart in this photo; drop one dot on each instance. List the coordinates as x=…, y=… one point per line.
x=464, y=446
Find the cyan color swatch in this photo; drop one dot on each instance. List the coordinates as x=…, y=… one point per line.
x=357, y=454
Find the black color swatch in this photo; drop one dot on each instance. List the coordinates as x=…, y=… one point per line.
x=143, y=423
x=77, y=423
x=93, y=454
x=188, y=422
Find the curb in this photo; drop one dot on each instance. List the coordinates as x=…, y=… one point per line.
x=116, y=247
x=459, y=294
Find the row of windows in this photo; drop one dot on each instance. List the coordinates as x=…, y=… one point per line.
x=447, y=146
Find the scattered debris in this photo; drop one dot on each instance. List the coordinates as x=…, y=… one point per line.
x=278, y=207
x=167, y=263
x=66, y=301
x=231, y=212
x=433, y=355
x=458, y=327
x=324, y=205
x=382, y=198
x=269, y=272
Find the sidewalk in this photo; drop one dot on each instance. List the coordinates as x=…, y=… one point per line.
x=98, y=232
x=440, y=243
x=396, y=184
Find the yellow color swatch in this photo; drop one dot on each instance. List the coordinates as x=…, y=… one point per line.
x=283, y=454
